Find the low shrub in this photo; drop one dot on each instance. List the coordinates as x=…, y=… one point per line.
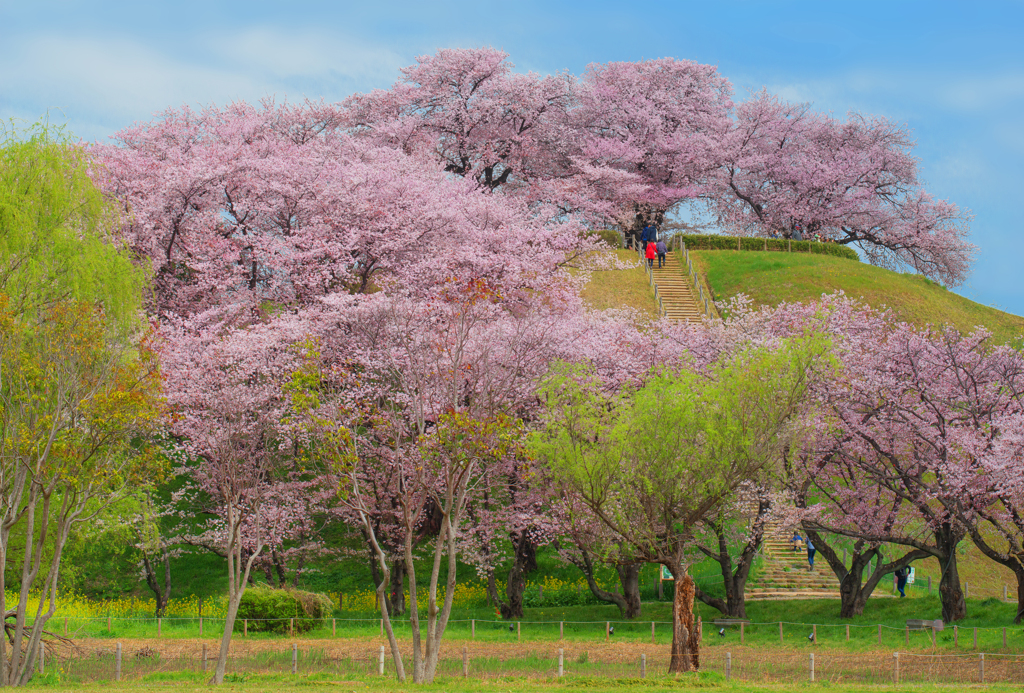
x=609, y=236
x=271, y=610
x=712, y=242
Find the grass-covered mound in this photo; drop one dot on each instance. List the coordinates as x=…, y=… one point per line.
x=771, y=278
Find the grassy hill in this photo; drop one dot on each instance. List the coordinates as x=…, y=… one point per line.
x=771, y=278
x=628, y=288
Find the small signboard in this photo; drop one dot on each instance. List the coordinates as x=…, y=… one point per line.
x=910, y=578
x=666, y=574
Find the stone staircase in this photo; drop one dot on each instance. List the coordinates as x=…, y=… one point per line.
x=674, y=289
x=785, y=574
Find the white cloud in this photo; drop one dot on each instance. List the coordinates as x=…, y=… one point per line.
x=114, y=80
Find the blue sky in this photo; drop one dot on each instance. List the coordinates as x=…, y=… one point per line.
x=954, y=71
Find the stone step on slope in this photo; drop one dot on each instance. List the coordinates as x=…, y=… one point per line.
x=675, y=292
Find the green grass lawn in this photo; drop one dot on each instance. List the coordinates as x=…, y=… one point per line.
x=772, y=278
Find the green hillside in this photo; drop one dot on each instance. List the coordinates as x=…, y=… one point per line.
x=771, y=278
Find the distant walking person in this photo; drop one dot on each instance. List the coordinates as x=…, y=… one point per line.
x=810, y=552
x=901, y=580
x=648, y=236
x=662, y=250
x=652, y=252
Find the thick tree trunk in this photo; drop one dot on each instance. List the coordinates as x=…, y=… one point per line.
x=954, y=606
x=629, y=579
x=854, y=589
x=1019, y=574
x=685, y=634
x=397, y=596
x=525, y=561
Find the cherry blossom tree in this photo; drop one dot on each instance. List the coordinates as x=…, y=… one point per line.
x=854, y=181
x=902, y=463
x=660, y=121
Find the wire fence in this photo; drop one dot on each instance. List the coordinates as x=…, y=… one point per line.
x=913, y=635
x=477, y=662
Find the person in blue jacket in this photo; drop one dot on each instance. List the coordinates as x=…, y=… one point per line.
x=647, y=236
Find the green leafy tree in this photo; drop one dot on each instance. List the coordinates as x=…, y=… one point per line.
x=651, y=463
x=78, y=385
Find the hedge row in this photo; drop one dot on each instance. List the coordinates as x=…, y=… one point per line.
x=777, y=244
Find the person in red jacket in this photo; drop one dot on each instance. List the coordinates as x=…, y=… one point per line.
x=652, y=252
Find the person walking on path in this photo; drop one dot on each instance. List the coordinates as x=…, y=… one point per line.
x=647, y=236
x=810, y=552
x=901, y=580
x=797, y=541
x=652, y=252
x=662, y=250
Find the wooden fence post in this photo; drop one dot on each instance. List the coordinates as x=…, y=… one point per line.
x=728, y=665
x=295, y=658
x=465, y=662
x=334, y=627
x=117, y=664
x=652, y=632
x=812, y=667
x=202, y=663
x=896, y=667
x=741, y=632
x=561, y=662
x=381, y=660
x=643, y=666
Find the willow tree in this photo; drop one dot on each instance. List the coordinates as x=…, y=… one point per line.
x=651, y=463
x=77, y=383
